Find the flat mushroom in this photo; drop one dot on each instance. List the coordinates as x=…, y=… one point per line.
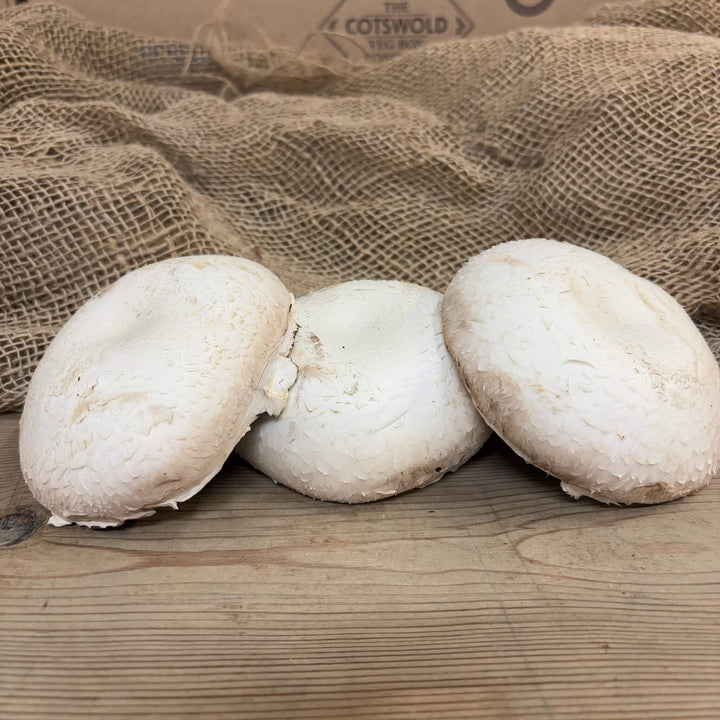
x=142, y=395
x=589, y=372
x=378, y=407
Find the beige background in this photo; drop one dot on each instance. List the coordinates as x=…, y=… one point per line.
x=293, y=24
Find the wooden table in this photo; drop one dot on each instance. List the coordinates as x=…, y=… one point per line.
x=488, y=595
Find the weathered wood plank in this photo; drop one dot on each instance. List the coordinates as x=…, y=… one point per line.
x=487, y=595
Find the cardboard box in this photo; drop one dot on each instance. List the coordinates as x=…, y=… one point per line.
x=373, y=28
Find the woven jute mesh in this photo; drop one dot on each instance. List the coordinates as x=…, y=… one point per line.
x=117, y=150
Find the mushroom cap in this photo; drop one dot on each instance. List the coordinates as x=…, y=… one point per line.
x=378, y=407
x=144, y=392
x=589, y=372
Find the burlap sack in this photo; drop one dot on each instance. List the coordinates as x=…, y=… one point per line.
x=117, y=150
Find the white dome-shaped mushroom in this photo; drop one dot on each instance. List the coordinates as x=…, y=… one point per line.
x=593, y=374
x=143, y=394
x=378, y=407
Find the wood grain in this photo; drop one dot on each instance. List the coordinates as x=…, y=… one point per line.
x=488, y=595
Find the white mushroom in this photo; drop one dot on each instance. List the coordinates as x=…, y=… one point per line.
x=378, y=407
x=593, y=374
x=143, y=394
